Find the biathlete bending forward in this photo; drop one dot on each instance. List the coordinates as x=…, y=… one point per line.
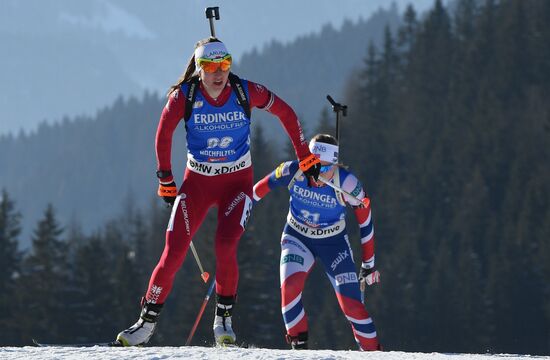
x=316, y=228
x=216, y=107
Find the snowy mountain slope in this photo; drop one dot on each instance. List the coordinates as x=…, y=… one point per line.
x=195, y=352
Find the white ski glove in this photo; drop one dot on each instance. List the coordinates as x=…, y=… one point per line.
x=368, y=277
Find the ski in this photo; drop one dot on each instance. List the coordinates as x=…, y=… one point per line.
x=115, y=343
x=242, y=345
x=91, y=344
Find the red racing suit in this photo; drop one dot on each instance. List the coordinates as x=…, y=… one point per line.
x=208, y=183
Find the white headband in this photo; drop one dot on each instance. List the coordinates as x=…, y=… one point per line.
x=324, y=151
x=211, y=51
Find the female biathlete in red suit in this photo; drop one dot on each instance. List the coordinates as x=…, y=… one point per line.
x=218, y=173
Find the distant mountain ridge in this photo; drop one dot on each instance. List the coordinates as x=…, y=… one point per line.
x=71, y=58
x=88, y=166
x=304, y=71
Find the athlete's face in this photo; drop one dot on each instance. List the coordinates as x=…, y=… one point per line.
x=214, y=82
x=328, y=174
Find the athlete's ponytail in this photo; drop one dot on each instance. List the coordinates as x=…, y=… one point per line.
x=190, y=70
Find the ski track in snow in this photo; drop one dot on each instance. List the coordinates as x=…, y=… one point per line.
x=196, y=352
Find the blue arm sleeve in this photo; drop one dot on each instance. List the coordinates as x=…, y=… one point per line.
x=283, y=174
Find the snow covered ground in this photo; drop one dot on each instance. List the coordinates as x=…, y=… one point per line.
x=195, y=352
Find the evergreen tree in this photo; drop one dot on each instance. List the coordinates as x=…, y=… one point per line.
x=467, y=297
x=43, y=285
x=262, y=151
x=327, y=124
x=126, y=283
x=156, y=217
x=93, y=305
x=138, y=238
x=10, y=259
x=407, y=31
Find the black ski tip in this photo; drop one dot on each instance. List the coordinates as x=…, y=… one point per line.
x=92, y=344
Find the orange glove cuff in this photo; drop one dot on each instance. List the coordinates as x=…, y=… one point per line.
x=167, y=190
x=309, y=162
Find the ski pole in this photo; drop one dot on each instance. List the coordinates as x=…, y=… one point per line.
x=204, y=275
x=362, y=289
x=337, y=188
x=338, y=108
x=201, y=311
x=211, y=14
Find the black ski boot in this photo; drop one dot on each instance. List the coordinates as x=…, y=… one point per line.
x=298, y=342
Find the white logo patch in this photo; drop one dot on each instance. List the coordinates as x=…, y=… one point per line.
x=247, y=211
x=345, y=278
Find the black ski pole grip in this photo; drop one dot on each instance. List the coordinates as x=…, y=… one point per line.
x=336, y=107
x=211, y=14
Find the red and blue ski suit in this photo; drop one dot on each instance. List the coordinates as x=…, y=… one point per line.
x=316, y=228
x=218, y=173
